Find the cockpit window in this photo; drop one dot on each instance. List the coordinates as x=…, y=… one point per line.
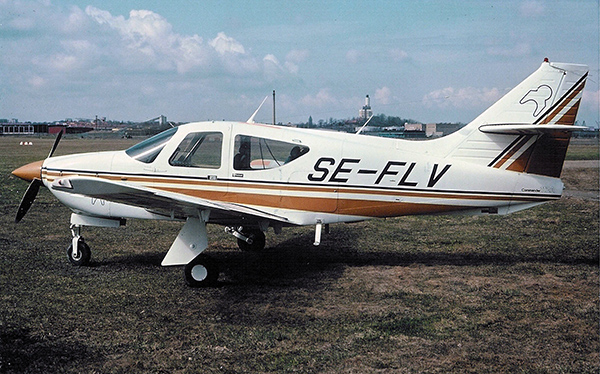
x=253, y=153
x=199, y=149
x=148, y=150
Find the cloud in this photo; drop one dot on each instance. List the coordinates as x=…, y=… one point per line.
x=224, y=44
x=297, y=55
x=147, y=40
x=383, y=95
x=354, y=56
x=294, y=58
x=591, y=101
x=530, y=9
x=272, y=68
x=398, y=55
x=466, y=97
x=36, y=81
x=322, y=99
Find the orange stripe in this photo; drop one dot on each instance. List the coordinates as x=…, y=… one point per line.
x=510, y=153
x=562, y=105
x=569, y=117
x=520, y=164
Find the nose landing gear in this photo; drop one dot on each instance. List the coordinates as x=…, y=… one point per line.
x=79, y=253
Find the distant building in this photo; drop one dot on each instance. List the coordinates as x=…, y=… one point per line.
x=448, y=128
x=431, y=130
x=366, y=111
x=408, y=127
x=17, y=129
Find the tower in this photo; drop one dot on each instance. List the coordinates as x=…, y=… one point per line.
x=366, y=111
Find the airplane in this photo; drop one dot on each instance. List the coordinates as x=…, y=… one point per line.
x=249, y=177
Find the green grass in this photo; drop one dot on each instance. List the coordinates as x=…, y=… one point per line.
x=583, y=149
x=515, y=293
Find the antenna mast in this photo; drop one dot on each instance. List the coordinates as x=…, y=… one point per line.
x=274, y=108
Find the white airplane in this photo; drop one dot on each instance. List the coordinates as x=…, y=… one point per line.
x=249, y=177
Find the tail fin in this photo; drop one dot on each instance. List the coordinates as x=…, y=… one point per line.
x=528, y=130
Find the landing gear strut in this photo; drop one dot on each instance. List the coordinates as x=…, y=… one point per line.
x=79, y=252
x=249, y=240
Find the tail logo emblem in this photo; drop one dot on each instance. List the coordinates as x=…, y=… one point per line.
x=539, y=97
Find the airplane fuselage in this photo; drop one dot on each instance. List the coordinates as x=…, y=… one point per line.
x=341, y=178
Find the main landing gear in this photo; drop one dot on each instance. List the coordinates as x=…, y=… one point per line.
x=203, y=271
x=249, y=240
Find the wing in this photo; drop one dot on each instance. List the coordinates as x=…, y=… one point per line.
x=157, y=201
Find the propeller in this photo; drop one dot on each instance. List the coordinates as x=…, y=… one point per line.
x=32, y=172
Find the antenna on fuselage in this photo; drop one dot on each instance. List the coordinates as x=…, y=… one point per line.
x=363, y=126
x=251, y=119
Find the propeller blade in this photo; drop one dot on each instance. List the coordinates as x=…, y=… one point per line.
x=55, y=144
x=28, y=199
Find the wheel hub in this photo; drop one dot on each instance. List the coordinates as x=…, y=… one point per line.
x=199, y=273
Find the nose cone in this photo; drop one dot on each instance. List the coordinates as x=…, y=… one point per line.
x=29, y=172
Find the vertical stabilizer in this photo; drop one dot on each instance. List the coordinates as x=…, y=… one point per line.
x=533, y=119
x=550, y=95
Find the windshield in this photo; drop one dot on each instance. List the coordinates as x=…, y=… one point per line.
x=148, y=150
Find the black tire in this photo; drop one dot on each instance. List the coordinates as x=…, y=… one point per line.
x=84, y=253
x=258, y=241
x=201, y=272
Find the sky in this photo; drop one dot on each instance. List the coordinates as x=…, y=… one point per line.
x=430, y=60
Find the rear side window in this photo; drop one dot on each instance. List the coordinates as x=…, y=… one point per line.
x=149, y=149
x=200, y=150
x=254, y=153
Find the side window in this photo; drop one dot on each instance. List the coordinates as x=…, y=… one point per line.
x=253, y=153
x=200, y=150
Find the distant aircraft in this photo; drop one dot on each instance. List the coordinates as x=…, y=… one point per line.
x=249, y=177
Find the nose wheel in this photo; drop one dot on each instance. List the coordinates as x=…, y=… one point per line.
x=81, y=255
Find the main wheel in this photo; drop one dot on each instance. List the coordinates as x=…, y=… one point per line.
x=84, y=253
x=201, y=272
x=258, y=241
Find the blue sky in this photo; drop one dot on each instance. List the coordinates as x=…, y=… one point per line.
x=433, y=61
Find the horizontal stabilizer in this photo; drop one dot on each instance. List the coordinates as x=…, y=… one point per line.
x=527, y=129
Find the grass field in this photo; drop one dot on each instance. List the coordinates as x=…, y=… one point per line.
x=515, y=293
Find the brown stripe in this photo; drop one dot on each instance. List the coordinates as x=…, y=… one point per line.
x=562, y=105
x=520, y=164
x=569, y=117
x=514, y=150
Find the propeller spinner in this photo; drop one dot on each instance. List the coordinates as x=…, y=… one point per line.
x=32, y=173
